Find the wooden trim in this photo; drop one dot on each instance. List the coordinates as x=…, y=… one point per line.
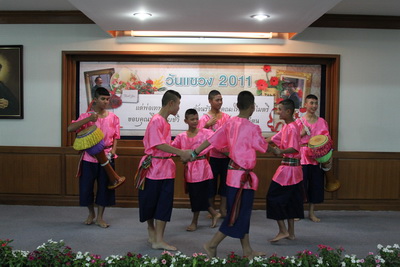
x=357, y=21
x=44, y=17
x=72, y=58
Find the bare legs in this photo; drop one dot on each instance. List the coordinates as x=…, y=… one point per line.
x=283, y=231
x=311, y=214
x=211, y=246
x=156, y=230
x=92, y=215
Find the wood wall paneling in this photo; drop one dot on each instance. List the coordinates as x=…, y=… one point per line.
x=46, y=176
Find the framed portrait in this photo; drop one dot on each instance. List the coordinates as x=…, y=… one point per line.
x=95, y=79
x=11, y=100
x=301, y=82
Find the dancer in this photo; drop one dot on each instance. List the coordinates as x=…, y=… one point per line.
x=156, y=173
x=198, y=172
x=242, y=138
x=313, y=173
x=90, y=169
x=219, y=161
x=285, y=193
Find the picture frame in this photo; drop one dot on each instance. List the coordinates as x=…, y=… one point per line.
x=11, y=82
x=90, y=81
x=301, y=80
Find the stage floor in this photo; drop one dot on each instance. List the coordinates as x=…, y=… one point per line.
x=358, y=232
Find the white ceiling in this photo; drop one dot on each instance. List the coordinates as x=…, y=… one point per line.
x=208, y=15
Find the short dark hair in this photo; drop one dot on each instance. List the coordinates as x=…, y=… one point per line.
x=213, y=93
x=288, y=104
x=245, y=99
x=190, y=111
x=101, y=91
x=98, y=77
x=168, y=96
x=311, y=96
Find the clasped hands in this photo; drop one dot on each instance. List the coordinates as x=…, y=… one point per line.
x=188, y=155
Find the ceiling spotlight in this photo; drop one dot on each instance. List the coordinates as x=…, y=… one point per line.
x=260, y=17
x=142, y=15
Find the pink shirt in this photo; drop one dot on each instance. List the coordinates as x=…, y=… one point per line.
x=287, y=137
x=242, y=139
x=158, y=132
x=202, y=122
x=198, y=170
x=109, y=126
x=320, y=127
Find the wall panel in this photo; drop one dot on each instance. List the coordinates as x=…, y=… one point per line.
x=46, y=176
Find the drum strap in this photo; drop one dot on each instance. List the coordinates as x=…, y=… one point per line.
x=245, y=178
x=290, y=162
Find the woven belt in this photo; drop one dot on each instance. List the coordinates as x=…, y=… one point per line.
x=200, y=157
x=154, y=157
x=290, y=162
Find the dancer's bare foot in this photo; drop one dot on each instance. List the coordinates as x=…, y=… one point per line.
x=192, y=227
x=215, y=220
x=89, y=220
x=291, y=237
x=314, y=218
x=279, y=236
x=163, y=245
x=211, y=252
x=102, y=223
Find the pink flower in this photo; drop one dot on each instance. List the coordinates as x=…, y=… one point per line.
x=164, y=261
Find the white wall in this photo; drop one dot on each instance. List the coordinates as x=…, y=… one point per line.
x=369, y=78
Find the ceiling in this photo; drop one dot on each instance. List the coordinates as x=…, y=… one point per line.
x=286, y=16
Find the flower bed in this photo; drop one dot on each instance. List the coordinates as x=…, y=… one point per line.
x=54, y=253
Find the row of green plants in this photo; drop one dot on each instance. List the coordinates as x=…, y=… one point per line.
x=54, y=253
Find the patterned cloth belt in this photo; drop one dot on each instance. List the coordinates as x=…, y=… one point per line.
x=290, y=162
x=140, y=176
x=245, y=178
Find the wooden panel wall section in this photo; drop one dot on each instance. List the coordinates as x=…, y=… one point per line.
x=47, y=176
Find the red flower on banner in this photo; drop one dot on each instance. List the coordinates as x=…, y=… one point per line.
x=279, y=100
x=300, y=93
x=261, y=84
x=267, y=68
x=149, y=81
x=274, y=81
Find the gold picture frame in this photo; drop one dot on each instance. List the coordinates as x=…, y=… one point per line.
x=90, y=77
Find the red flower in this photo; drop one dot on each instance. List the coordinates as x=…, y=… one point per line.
x=279, y=100
x=261, y=84
x=302, y=110
x=267, y=68
x=274, y=81
x=300, y=93
x=149, y=81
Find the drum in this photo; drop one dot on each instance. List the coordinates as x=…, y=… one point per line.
x=321, y=148
x=91, y=140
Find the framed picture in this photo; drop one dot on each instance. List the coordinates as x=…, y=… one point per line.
x=95, y=79
x=300, y=84
x=11, y=101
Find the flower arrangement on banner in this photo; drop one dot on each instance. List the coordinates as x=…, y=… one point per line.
x=273, y=86
x=54, y=253
x=126, y=80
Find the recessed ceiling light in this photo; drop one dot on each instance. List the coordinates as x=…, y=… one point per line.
x=259, y=17
x=142, y=15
